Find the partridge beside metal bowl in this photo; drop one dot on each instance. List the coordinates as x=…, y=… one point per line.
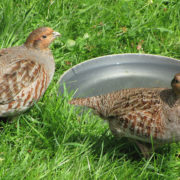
x=114, y=72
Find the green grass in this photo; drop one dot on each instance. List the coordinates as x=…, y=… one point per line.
x=51, y=141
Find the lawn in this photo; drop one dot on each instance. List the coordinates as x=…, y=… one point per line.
x=51, y=140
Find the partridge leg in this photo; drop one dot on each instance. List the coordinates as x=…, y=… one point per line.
x=146, y=149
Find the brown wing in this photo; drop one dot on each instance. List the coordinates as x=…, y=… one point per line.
x=15, y=77
x=138, y=112
x=130, y=100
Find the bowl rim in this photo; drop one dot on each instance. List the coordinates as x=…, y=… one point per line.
x=111, y=55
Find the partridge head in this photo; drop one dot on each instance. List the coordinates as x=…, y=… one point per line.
x=175, y=83
x=41, y=38
x=140, y=114
x=26, y=71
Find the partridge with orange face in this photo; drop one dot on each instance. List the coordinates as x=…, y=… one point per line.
x=26, y=71
x=140, y=114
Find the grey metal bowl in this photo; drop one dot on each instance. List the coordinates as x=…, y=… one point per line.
x=113, y=72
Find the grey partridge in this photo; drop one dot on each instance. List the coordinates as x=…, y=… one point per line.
x=26, y=71
x=140, y=114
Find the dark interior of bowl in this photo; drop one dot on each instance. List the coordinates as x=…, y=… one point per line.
x=114, y=72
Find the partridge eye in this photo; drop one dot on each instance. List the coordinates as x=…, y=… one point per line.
x=44, y=36
x=176, y=81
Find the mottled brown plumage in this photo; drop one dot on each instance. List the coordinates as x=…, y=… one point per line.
x=142, y=114
x=26, y=71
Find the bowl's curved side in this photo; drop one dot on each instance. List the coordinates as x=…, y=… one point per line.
x=109, y=73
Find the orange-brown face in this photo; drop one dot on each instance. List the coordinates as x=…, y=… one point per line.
x=41, y=38
x=175, y=83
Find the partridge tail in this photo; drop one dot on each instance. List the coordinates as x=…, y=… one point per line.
x=91, y=102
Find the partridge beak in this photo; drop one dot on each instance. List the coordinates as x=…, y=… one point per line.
x=55, y=34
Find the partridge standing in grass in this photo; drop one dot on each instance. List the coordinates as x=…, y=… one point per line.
x=141, y=114
x=26, y=71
